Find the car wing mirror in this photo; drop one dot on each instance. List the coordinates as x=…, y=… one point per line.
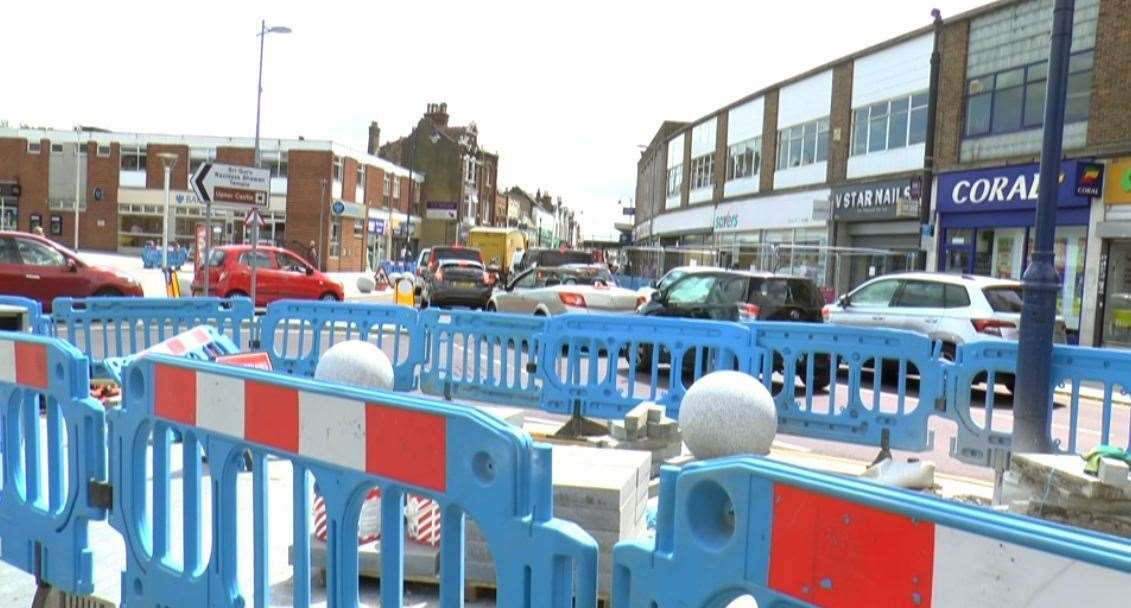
x=72, y=265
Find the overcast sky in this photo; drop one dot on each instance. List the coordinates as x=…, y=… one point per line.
x=564, y=91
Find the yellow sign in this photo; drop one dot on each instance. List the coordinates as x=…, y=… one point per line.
x=1117, y=189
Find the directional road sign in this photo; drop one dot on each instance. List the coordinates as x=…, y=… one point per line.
x=231, y=184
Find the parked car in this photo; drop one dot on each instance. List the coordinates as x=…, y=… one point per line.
x=38, y=268
x=549, y=258
x=455, y=276
x=587, y=288
x=954, y=309
x=737, y=295
x=670, y=277
x=421, y=265
x=280, y=274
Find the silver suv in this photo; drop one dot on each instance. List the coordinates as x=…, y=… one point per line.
x=954, y=309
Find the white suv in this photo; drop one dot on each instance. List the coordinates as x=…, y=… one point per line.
x=954, y=309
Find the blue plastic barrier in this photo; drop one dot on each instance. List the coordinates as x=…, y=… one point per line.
x=50, y=460
x=496, y=356
x=789, y=536
x=984, y=439
x=852, y=409
x=38, y=322
x=347, y=440
x=118, y=327
x=582, y=355
x=295, y=333
x=151, y=257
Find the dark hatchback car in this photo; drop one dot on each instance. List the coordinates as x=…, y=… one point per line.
x=455, y=276
x=732, y=295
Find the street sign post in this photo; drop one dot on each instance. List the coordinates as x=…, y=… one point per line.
x=254, y=221
x=234, y=186
x=338, y=208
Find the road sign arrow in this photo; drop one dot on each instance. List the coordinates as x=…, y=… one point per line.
x=253, y=218
x=197, y=182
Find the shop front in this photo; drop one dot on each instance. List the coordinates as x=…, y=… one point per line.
x=986, y=219
x=784, y=233
x=875, y=229
x=1113, y=304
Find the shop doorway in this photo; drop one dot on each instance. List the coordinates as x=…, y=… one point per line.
x=1117, y=296
x=958, y=251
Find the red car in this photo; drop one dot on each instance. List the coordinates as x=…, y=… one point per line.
x=40, y=269
x=281, y=274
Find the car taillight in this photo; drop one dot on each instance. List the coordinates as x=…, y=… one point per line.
x=747, y=311
x=992, y=327
x=825, y=313
x=640, y=300
x=439, y=275
x=488, y=278
x=572, y=299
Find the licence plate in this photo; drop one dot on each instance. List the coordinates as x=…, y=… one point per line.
x=464, y=284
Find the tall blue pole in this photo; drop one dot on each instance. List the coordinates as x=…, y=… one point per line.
x=1032, y=401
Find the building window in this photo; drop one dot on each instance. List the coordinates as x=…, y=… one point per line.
x=387, y=187
x=744, y=159
x=335, y=239
x=133, y=158
x=675, y=180
x=358, y=229
x=337, y=168
x=702, y=171
x=396, y=187
x=803, y=144
x=361, y=177
x=887, y=125
x=33, y=147
x=1014, y=99
x=56, y=148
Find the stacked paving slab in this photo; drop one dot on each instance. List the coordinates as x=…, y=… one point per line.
x=603, y=491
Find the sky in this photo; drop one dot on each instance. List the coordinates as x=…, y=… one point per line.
x=565, y=92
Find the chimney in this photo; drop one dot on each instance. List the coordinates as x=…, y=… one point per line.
x=374, y=138
x=438, y=114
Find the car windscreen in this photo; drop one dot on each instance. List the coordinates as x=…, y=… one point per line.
x=787, y=292
x=669, y=278
x=1003, y=299
x=449, y=255
x=587, y=275
x=561, y=258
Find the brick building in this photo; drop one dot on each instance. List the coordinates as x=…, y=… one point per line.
x=121, y=192
x=462, y=177
x=823, y=174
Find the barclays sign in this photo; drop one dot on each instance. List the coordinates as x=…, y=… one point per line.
x=1013, y=188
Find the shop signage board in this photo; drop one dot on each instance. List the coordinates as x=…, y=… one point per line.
x=883, y=200
x=1117, y=190
x=441, y=210
x=1011, y=188
x=1089, y=179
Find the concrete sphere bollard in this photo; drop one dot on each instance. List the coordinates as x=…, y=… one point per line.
x=727, y=413
x=365, y=284
x=355, y=362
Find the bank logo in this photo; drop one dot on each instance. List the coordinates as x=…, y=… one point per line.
x=1089, y=179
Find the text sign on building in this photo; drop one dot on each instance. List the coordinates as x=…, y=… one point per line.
x=1012, y=188
x=886, y=200
x=441, y=210
x=231, y=184
x=11, y=189
x=1089, y=179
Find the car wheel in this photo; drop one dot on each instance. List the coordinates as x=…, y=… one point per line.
x=329, y=297
x=822, y=376
x=107, y=292
x=491, y=307
x=949, y=352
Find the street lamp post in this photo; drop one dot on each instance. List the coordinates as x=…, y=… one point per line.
x=1040, y=282
x=168, y=161
x=321, y=223
x=263, y=31
x=78, y=181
